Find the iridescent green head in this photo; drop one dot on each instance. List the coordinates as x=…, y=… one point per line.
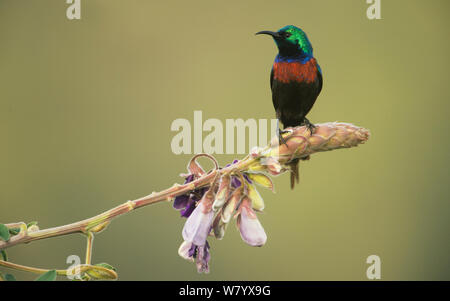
x=291, y=41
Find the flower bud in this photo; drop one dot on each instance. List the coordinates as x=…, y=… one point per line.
x=230, y=207
x=33, y=228
x=219, y=227
x=256, y=199
x=272, y=165
x=250, y=228
x=222, y=193
x=261, y=179
x=255, y=152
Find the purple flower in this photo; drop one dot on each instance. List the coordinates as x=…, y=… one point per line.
x=186, y=203
x=181, y=201
x=196, y=231
x=250, y=228
x=199, y=254
x=189, y=208
x=203, y=257
x=235, y=182
x=199, y=223
x=210, y=209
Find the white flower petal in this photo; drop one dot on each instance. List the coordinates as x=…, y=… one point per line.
x=198, y=225
x=183, y=251
x=251, y=229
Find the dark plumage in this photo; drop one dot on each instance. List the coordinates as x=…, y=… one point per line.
x=295, y=81
x=294, y=99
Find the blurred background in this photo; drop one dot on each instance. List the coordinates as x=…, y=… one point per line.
x=86, y=107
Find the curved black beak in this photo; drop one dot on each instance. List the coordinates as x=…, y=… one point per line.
x=270, y=33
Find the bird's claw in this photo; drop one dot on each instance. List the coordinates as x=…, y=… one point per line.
x=281, y=139
x=311, y=127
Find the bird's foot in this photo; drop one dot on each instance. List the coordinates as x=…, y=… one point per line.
x=311, y=127
x=281, y=139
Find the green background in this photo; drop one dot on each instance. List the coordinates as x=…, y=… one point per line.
x=86, y=108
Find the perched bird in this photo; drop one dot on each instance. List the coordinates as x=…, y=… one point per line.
x=295, y=80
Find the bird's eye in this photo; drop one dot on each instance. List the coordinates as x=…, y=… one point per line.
x=287, y=34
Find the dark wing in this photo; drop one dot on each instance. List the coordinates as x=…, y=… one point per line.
x=271, y=79
x=274, y=101
x=319, y=76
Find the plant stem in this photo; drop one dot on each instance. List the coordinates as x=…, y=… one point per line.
x=25, y=268
x=92, y=224
x=90, y=241
x=329, y=136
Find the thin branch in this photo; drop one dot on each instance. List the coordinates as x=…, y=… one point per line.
x=90, y=241
x=25, y=268
x=300, y=144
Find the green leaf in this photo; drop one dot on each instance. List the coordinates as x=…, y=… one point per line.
x=49, y=276
x=261, y=179
x=255, y=197
x=4, y=232
x=31, y=224
x=9, y=277
x=106, y=266
x=102, y=271
x=4, y=255
x=14, y=231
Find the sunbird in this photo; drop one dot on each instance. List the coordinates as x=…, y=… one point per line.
x=295, y=81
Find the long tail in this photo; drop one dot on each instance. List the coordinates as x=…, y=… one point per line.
x=295, y=175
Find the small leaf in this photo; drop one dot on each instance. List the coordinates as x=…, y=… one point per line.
x=49, y=276
x=261, y=179
x=9, y=277
x=102, y=271
x=31, y=224
x=14, y=231
x=100, y=227
x=106, y=265
x=255, y=197
x=33, y=228
x=255, y=167
x=4, y=255
x=4, y=232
